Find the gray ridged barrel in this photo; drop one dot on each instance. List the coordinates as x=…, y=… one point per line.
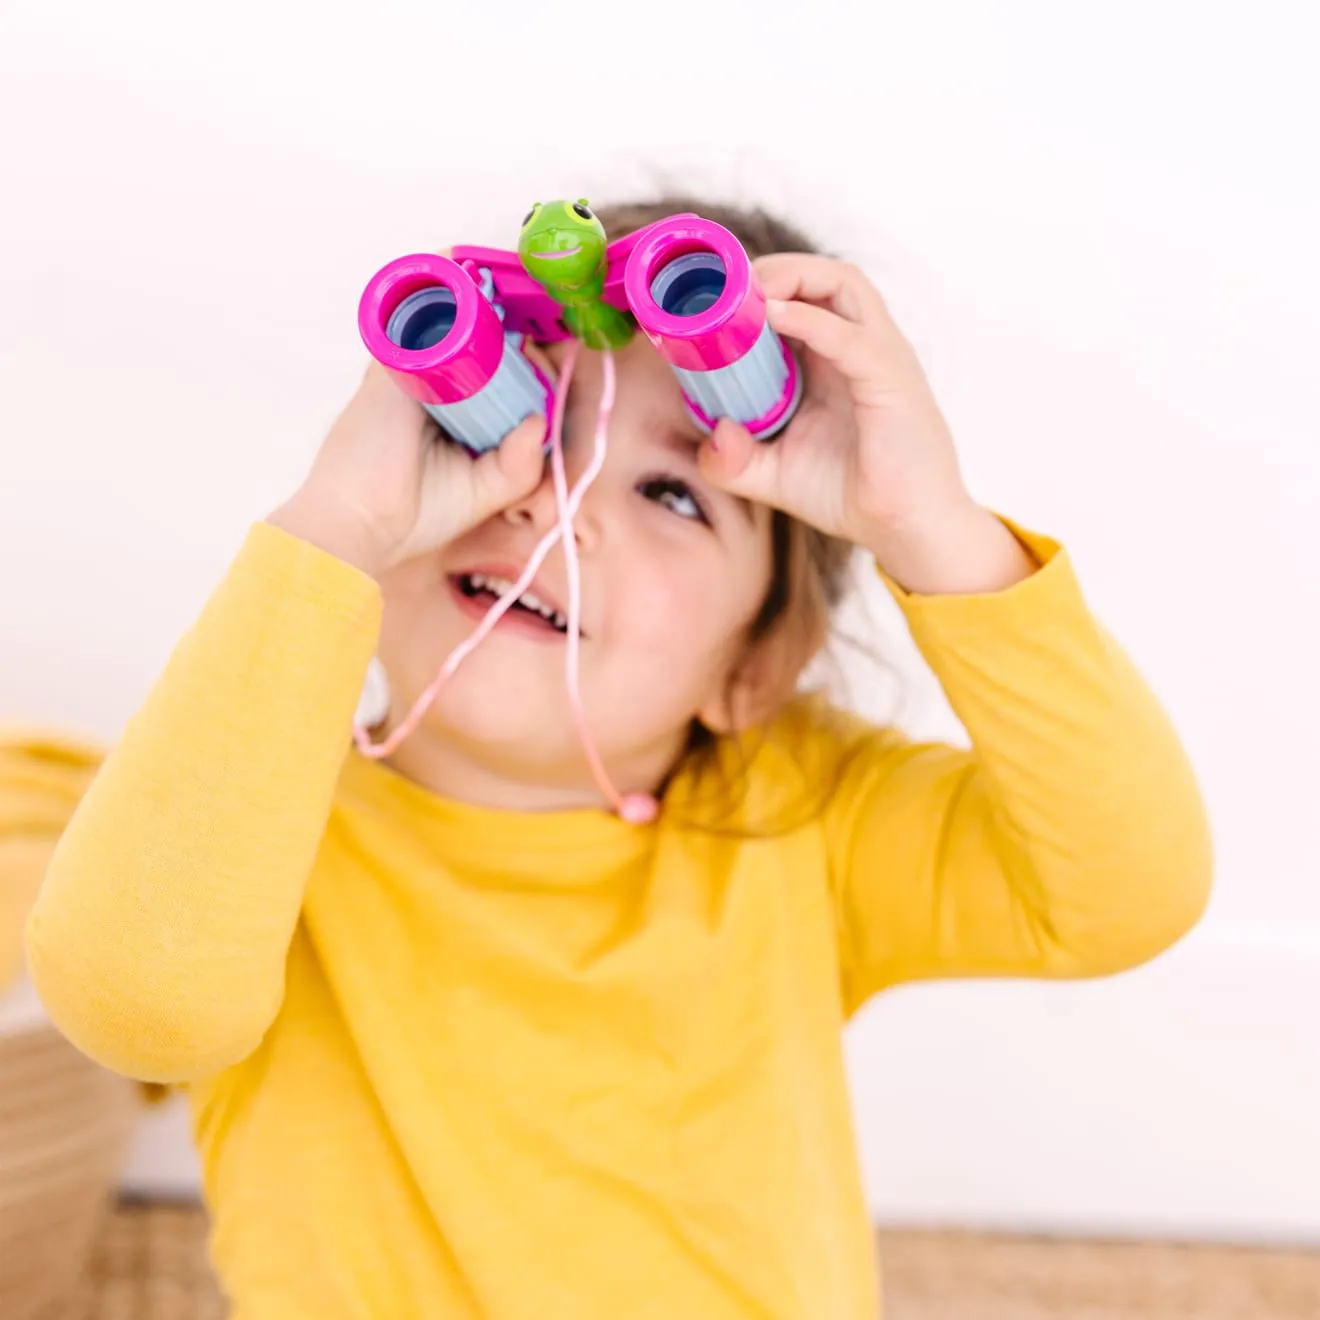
x=513, y=393
x=749, y=388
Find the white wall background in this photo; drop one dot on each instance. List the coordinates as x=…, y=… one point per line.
x=1101, y=226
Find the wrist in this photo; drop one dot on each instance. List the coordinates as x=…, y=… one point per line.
x=344, y=537
x=960, y=550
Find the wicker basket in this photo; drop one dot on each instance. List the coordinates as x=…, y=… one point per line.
x=65, y=1125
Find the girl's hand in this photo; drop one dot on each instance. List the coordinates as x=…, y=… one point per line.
x=868, y=456
x=386, y=485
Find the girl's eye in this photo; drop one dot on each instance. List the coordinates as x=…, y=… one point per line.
x=675, y=495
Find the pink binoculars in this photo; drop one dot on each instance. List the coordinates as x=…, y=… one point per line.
x=450, y=330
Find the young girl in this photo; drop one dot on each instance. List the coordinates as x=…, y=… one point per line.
x=462, y=1041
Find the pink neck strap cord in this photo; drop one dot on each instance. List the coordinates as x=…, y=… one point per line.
x=635, y=808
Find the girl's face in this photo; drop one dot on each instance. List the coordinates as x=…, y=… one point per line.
x=673, y=573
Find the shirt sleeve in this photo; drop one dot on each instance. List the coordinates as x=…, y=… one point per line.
x=159, y=936
x=1069, y=841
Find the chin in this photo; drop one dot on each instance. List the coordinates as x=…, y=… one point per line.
x=506, y=701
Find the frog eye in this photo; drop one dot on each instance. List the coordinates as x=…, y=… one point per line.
x=536, y=206
x=581, y=208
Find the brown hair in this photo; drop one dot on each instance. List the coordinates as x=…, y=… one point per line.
x=809, y=570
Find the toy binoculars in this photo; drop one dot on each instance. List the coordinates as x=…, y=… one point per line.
x=450, y=330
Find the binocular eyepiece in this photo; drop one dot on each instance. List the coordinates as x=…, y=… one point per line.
x=423, y=318
x=688, y=283
x=693, y=292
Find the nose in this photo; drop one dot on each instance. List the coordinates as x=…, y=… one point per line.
x=539, y=510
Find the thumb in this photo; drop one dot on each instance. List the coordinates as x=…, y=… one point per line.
x=736, y=463
x=511, y=471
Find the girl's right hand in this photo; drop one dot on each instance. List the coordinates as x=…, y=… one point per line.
x=386, y=485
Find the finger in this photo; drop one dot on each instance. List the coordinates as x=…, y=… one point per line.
x=379, y=404
x=511, y=471
x=850, y=347
x=813, y=278
x=736, y=463
x=540, y=359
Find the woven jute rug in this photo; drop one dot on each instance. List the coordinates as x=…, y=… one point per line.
x=936, y=1276
x=150, y=1264
x=65, y=1125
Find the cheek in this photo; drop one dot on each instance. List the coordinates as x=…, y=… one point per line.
x=681, y=617
x=410, y=634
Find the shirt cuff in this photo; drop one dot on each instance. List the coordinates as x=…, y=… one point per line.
x=1050, y=593
x=299, y=569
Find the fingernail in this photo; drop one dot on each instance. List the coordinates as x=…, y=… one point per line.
x=775, y=305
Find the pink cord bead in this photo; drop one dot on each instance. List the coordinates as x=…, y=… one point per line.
x=639, y=808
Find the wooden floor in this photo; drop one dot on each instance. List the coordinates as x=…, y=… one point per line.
x=151, y=1265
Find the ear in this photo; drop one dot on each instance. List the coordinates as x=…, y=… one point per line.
x=762, y=681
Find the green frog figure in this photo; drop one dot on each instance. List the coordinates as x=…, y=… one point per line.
x=562, y=247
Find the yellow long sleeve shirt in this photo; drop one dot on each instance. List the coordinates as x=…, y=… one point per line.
x=448, y=1061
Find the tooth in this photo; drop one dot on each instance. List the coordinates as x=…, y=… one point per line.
x=499, y=586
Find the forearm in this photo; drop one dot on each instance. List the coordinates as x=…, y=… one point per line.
x=159, y=936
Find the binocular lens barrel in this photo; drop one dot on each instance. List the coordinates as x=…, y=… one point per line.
x=697, y=299
x=427, y=323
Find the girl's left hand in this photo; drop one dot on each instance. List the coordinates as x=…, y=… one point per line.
x=868, y=456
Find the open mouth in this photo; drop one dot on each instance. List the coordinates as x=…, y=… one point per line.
x=489, y=589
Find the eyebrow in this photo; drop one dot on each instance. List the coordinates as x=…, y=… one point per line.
x=686, y=447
